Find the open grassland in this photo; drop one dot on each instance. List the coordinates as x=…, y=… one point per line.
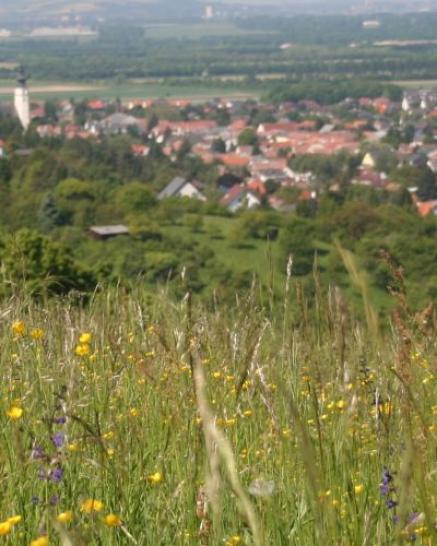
x=139, y=420
x=221, y=235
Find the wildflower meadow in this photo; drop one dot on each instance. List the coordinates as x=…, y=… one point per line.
x=137, y=419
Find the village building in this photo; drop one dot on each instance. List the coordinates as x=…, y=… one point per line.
x=103, y=233
x=180, y=187
x=239, y=196
x=118, y=123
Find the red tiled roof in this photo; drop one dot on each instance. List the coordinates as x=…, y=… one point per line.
x=280, y=127
x=381, y=104
x=257, y=185
x=38, y=112
x=96, y=104
x=426, y=207
x=232, y=194
x=139, y=149
x=238, y=125
x=234, y=160
x=184, y=127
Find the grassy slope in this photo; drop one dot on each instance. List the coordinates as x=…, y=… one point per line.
x=251, y=257
x=304, y=430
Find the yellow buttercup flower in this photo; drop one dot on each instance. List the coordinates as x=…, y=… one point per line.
x=359, y=489
x=234, y=540
x=41, y=541
x=37, y=333
x=13, y=520
x=5, y=528
x=19, y=328
x=91, y=505
x=82, y=350
x=155, y=478
x=14, y=413
x=112, y=520
x=85, y=338
x=65, y=517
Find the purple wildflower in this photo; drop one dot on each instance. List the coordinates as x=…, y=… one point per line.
x=57, y=474
x=60, y=420
x=384, y=489
x=54, y=500
x=385, y=486
x=58, y=439
x=42, y=474
x=37, y=452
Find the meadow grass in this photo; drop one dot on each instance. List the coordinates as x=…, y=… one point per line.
x=143, y=420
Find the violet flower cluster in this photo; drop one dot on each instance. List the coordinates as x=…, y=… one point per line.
x=50, y=460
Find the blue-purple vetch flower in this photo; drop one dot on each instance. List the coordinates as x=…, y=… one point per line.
x=54, y=500
x=37, y=452
x=58, y=439
x=57, y=474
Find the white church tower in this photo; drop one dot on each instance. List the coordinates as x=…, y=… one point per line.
x=21, y=101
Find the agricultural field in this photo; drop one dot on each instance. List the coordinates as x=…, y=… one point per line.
x=135, y=419
x=199, y=30
x=419, y=84
x=126, y=90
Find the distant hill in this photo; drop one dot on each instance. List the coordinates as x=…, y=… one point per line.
x=31, y=12
x=36, y=12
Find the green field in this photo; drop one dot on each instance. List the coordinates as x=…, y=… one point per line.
x=192, y=31
x=125, y=90
x=255, y=256
x=418, y=84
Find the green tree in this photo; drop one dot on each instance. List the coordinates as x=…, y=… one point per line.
x=297, y=239
x=218, y=146
x=78, y=199
x=50, y=215
x=41, y=264
x=427, y=185
x=248, y=137
x=134, y=197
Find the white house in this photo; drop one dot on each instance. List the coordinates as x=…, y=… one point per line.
x=180, y=187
